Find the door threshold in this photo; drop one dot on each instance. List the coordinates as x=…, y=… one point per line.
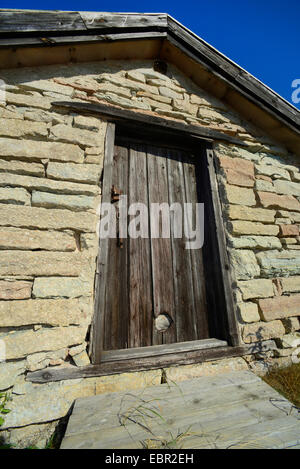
x=158, y=350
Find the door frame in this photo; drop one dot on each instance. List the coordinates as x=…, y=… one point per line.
x=228, y=326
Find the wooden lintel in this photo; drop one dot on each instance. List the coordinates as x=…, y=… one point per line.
x=114, y=113
x=147, y=363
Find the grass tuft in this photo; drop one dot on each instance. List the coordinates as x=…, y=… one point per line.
x=286, y=381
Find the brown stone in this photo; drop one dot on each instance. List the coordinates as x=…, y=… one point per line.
x=279, y=307
x=271, y=200
x=238, y=171
x=14, y=290
x=289, y=230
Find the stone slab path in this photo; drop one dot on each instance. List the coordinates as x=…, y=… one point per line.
x=231, y=410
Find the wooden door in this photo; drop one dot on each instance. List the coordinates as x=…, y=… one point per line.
x=145, y=277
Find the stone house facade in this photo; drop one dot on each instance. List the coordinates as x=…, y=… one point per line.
x=51, y=164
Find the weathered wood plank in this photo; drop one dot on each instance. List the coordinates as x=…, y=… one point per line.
x=15, y=21
x=249, y=418
x=146, y=363
x=185, y=323
x=117, y=294
x=135, y=117
x=161, y=250
x=222, y=271
x=158, y=350
x=97, y=343
x=197, y=269
x=99, y=20
x=140, y=279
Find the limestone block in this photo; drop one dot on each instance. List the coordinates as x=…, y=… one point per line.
x=42, y=218
x=291, y=324
x=239, y=212
x=50, y=185
x=244, y=264
x=17, y=128
x=295, y=176
x=249, y=312
x=275, y=263
x=115, y=89
x=8, y=114
x=65, y=133
x=55, y=287
x=76, y=203
x=185, y=106
x=290, y=340
x=88, y=123
x=88, y=174
x=207, y=100
x=22, y=343
x=16, y=195
x=38, y=361
x=255, y=242
x=288, y=241
x=25, y=100
x=279, y=307
x=9, y=372
x=126, y=83
x=32, y=436
x=22, y=239
x=294, y=217
x=169, y=93
x=266, y=186
x=287, y=187
x=212, y=115
x=123, y=102
x=157, y=105
x=15, y=290
x=82, y=359
x=58, y=312
x=259, y=331
x=291, y=284
x=176, y=374
x=32, y=150
x=257, y=288
x=40, y=263
x=252, y=228
x=46, y=85
x=157, y=98
x=270, y=200
x=47, y=402
x=47, y=116
x=127, y=381
x=274, y=171
x=19, y=167
x=239, y=195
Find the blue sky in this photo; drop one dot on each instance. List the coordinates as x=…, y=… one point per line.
x=262, y=36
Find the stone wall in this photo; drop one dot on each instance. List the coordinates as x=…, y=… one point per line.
x=51, y=163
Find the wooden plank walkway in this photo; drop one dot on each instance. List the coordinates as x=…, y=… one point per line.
x=232, y=410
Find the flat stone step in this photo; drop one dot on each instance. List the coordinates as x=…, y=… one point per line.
x=232, y=410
